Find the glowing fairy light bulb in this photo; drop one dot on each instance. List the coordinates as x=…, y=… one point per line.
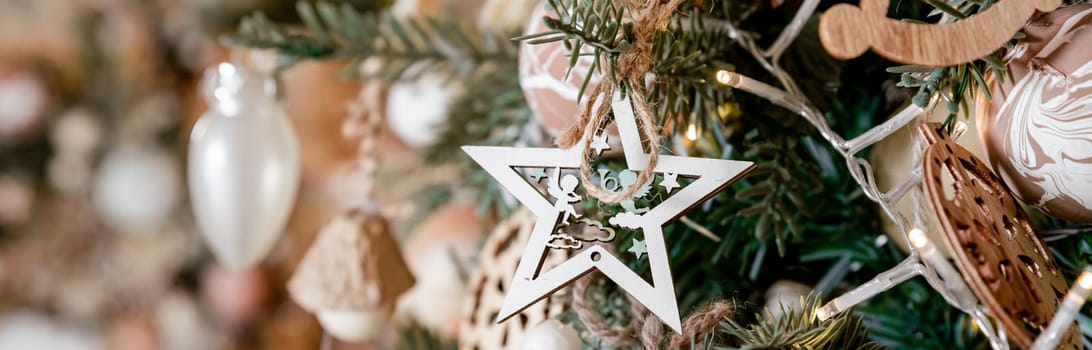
x=1063, y=319
x=692, y=133
x=725, y=77
x=918, y=239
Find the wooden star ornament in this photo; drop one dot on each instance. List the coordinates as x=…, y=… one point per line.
x=531, y=284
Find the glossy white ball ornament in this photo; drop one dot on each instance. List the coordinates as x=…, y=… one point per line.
x=136, y=189
x=418, y=109
x=244, y=166
x=551, y=335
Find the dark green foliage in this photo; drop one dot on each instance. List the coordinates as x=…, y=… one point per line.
x=913, y=316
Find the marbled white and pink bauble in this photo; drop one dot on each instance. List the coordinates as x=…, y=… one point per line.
x=542, y=75
x=1038, y=131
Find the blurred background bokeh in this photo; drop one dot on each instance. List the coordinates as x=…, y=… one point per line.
x=98, y=245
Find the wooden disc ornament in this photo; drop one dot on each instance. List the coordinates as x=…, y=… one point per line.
x=1038, y=125
x=496, y=267
x=352, y=276
x=1004, y=263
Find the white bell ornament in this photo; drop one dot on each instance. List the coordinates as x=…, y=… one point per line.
x=244, y=166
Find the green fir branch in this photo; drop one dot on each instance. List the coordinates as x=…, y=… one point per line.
x=686, y=56
x=955, y=86
x=797, y=328
x=403, y=47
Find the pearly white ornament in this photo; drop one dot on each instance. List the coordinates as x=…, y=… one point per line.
x=136, y=189
x=417, y=109
x=551, y=335
x=785, y=295
x=244, y=166
x=355, y=325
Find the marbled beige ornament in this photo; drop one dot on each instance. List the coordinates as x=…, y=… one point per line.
x=1038, y=127
x=496, y=267
x=542, y=75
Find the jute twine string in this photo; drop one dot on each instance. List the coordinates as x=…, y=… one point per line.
x=633, y=65
x=645, y=327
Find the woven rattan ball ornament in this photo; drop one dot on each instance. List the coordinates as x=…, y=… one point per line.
x=496, y=266
x=1004, y=263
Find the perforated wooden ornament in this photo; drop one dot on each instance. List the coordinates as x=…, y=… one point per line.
x=1004, y=263
x=497, y=264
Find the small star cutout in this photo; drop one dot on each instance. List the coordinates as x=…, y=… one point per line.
x=638, y=248
x=599, y=144
x=670, y=182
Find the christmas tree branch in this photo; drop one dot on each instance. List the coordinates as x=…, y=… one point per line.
x=404, y=47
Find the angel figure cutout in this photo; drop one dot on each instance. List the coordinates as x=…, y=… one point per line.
x=564, y=190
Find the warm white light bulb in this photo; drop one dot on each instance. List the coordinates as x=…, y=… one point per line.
x=958, y=130
x=724, y=77
x=918, y=239
x=1085, y=281
x=692, y=133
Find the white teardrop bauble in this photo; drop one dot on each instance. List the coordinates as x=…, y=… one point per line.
x=418, y=109
x=244, y=168
x=551, y=335
x=136, y=189
x=355, y=326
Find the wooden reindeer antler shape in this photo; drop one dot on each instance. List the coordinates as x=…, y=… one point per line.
x=848, y=31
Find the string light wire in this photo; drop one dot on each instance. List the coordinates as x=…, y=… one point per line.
x=940, y=275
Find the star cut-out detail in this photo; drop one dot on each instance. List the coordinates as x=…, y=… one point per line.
x=530, y=283
x=670, y=182
x=639, y=248
x=537, y=174
x=599, y=144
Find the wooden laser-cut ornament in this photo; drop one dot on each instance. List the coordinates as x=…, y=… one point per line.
x=1004, y=263
x=532, y=283
x=848, y=31
x=496, y=267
